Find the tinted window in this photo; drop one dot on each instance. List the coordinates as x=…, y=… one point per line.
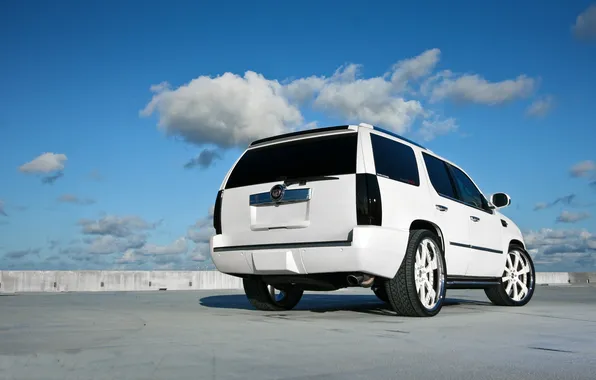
x=439, y=175
x=395, y=160
x=467, y=191
x=329, y=155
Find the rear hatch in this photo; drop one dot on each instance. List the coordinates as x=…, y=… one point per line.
x=314, y=175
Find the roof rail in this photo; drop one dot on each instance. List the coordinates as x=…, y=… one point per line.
x=299, y=133
x=398, y=136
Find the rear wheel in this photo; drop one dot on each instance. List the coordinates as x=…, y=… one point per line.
x=418, y=288
x=516, y=287
x=268, y=298
x=381, y=293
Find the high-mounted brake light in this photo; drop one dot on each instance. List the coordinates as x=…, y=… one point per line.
x=217, y=213
x=368, y=200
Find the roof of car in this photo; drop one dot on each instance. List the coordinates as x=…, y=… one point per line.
x=332, y=128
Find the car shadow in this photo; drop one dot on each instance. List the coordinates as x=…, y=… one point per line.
x=325, y=303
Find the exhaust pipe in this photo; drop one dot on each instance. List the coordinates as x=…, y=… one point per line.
x=363, y=280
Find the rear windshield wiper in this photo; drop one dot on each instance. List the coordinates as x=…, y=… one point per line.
x=304, y=180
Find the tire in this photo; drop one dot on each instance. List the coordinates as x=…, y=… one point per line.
x=499, y=295
x=257, y=292
x=381, y=293
x=402, y=289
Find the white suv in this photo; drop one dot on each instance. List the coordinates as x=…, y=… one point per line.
x=345, y=206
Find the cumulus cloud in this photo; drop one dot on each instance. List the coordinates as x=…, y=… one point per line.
x=228, y=110
x=433, y=128
x=200, y=253
x=231, y=110
x=205, y=159
x=177, y=247
x=118, y=226
x=108, y=244
x=44, y=163
x=583, y=169
x=70, y=198
x=572, y=217
x=472, y=88
x=540, y=107
x=411, y=69
x=561, y=249
x=585, y=24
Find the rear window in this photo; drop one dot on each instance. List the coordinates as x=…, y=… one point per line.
x=395, y=160
x=317, y=156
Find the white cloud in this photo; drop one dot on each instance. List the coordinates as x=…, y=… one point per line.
x=472, y=88
x=414, y=68
x=115, y=225
x=108, y=244
x=371, y=100
x=585, y=24
x=129, y=257
x=230, y=110
x=44, y=163
x=561, y=249
x=583, y=169
x=200, y=253
x=433, y=128
x=179, y=246
x=572, y=217
x=540, y=107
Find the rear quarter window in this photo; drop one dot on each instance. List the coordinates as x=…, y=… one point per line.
x=316, y=156
x=395, y=160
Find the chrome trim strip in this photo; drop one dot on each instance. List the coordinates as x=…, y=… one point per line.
x=289, y=196
x=475, y=247
x=314, y=244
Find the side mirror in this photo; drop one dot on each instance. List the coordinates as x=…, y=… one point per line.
x=500, y=200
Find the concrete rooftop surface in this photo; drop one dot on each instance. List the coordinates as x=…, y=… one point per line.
x=339, y=335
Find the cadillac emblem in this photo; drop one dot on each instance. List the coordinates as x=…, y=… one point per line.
x=277, y=192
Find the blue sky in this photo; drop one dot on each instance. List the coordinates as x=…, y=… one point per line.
x=142, y=109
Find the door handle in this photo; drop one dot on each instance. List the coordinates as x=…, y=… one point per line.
x=474, y=218
x=442, y=208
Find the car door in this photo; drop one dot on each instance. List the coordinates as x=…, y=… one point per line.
x=451, y=216
x=485, y=229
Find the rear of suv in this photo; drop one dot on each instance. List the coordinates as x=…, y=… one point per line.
x=359, y=206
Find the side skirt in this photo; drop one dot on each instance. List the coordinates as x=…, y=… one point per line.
x=470, y=282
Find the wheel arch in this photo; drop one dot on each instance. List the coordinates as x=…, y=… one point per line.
x=516, y=243
x=422, y=224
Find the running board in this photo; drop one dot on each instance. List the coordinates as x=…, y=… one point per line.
x=468, y=282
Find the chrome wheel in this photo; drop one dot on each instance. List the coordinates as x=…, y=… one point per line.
x=517, y=277
x=428, y=273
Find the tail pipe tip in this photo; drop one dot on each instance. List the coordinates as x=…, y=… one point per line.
x=363, y=280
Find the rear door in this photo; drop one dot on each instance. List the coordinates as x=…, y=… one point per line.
x=451, y=216
x=317, y=202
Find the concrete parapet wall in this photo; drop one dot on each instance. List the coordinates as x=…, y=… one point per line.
x=95, y=281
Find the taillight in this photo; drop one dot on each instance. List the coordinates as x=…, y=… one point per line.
x=217, y=213
x=368, y=200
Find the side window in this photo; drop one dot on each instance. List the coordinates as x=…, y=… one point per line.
x=468, y=192
x=395, y=160
x=439, y=176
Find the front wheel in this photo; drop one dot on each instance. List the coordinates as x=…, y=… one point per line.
x=266, y=297
x=516, y=287
x=418, y=288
